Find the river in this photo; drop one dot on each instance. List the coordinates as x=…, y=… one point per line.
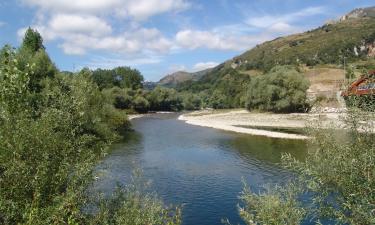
x=199, y=168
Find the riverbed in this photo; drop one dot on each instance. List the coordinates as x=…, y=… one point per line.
x=197, y=167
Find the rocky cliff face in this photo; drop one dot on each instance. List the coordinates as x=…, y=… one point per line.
x=359, y=13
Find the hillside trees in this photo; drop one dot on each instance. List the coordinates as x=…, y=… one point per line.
x=221, y=88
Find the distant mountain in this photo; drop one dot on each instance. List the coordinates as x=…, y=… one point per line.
x=172, y=80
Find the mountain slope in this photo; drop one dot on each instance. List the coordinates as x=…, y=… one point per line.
x=351, y=38
x=319, y=54
x=172, y=80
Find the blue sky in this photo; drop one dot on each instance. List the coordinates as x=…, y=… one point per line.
x=160, y=36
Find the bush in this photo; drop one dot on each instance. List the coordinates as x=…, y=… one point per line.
x=283, y=90
x=338, y=175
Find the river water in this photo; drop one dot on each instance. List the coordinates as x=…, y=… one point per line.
x=199, y=168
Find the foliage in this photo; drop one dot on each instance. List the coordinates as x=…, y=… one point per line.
x=190, y=101
x=275, y=207
x=130, y=205
x=220, y=88
x=338, y=174
x=123, y=77
x=51, y=139
x=349, y=72
x=164, y=99
x=32, y=41
x=283, y=89
x=141, y=104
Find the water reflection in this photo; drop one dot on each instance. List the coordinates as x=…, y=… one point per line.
x=199, y=167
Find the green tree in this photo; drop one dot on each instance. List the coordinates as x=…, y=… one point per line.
x=164, y=99
x=140, y=104
x=129, y=78
x=32, y=41
x=123, y=77
x=283, y=89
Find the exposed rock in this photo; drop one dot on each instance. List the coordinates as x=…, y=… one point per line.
x=359, y=13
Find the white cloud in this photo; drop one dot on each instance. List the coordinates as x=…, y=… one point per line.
x=80, y=34
x=74, y=6
x=137, y=9
x=282, y=28
x=70, y=23
x=270, y=20
x=111, y=62
x=193, y=39
x=81, y=26
x=143, y=9
x=204, y=65
x=2, y=24
x=175, y=68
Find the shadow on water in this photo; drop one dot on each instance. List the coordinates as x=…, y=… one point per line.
x=268, y=149
x=200, y=168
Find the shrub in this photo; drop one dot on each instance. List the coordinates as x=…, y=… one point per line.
x=338, y=175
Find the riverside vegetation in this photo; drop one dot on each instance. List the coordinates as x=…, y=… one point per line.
x=56, y=126
x=334, y=183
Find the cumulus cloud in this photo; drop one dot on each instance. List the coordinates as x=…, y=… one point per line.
x=193, y=39
x=143, y=9
x=81, y=25
x=81, y=33
x=71, y=23
x=204, y=65
x=109, y=62
x=267, y=21
x=175, y=68
x=137, y=9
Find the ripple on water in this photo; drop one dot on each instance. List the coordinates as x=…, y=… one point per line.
x=199, y=168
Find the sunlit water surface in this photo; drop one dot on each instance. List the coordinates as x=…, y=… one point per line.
x=199, y=168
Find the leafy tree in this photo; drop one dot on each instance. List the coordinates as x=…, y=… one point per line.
x=32, y=41
x=283, y=89
x=129, y=78
x=191, y=101
x=164, y=99
x=141, y=104
x=123, y=77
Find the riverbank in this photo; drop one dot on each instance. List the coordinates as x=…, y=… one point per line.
x=263, y=124
x=134, y=116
